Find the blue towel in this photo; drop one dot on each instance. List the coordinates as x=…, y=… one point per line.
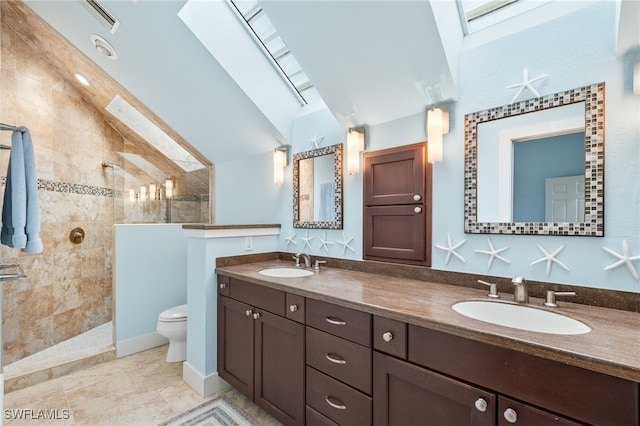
x=21, y=207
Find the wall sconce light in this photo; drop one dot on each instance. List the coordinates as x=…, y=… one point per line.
x=355, y=145
x=437, y=125
x=132, y=195
x=279, y=163
x=153, y=194
x=143, y=193
x=168, y=188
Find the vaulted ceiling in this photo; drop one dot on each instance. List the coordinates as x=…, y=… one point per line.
x=371, y=62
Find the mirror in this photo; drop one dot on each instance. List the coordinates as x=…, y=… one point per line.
x=537, y=167
x=317, y=188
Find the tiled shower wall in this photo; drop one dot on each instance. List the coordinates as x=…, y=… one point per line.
x=68, y=287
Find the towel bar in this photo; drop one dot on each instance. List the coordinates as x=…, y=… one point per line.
x=13, y=276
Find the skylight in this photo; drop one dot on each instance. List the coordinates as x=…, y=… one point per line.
x=275, y=48
x=479, y=14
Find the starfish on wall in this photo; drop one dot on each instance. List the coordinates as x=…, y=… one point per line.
x=291, y=238
x=324, y=243
x=550, y=258
x=316, y=141
x=345, y=243
x=451, y=250
x=494, y=253
x=307, y=240
x=623, y=259
x=526, y=84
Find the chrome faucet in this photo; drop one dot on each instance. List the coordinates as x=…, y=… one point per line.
x=520, y=292
x=306, y=257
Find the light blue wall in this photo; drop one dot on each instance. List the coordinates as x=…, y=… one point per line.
x=574, y=51
x=150, y=276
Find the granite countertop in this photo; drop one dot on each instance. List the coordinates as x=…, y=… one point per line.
x=612, y=347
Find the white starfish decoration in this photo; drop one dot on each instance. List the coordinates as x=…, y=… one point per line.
x=526, y=84
x=291, y=238
x=550, y=258
x=345, y=243
x=315, y=141
x=307, y=240
x=451, y=250
x=324, y=243
x=493, y=253
x=624, y=258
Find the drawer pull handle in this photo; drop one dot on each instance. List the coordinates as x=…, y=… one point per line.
x=337, y=406
x=293, y=308
x=335, y=321
x=481, y=405
x=335, y=359
x=387, y=337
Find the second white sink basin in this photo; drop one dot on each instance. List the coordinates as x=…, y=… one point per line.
x=285, y=272
x=521, y=317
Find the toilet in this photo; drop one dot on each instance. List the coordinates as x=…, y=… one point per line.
x=172, y=324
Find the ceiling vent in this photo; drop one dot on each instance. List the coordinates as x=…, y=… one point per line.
x=105, y=17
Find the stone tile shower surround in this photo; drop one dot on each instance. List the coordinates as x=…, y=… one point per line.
x=68, y=289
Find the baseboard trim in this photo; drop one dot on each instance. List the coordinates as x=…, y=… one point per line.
x=204, y=385
x=139, y=344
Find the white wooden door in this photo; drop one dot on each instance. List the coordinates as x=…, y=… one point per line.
x=564, y=199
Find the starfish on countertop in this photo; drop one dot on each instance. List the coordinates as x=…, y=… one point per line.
x=451, y=250
x=550, y=258
x=526, y=84
x=623, y=259
x=493, y=253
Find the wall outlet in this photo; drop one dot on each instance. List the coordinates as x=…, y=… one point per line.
x=248, y=243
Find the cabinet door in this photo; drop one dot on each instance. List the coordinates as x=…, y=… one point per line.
x=395, y=232
x=407, y=395
x=235, y=344
x=279, y=368
x=512, y=412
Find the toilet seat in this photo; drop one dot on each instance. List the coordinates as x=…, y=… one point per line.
x=175, y=314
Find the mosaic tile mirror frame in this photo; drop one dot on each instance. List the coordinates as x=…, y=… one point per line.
x=593, y=97
x=317, y=188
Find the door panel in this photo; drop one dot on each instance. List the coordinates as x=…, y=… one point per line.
x=395, y=232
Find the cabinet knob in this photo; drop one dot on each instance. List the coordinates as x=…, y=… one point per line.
x=417, y=197
x=248, y=312
x=417, y=209
x=510, y=415
x=256, y=315
x=222, y=286
x=293, y=308
x=481, y=405
x=387, y=337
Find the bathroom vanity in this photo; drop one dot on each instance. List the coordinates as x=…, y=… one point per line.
x=343, y=347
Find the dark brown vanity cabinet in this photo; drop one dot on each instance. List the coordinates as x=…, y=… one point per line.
x=397, y=205
x=339, y=361
x=260, y=352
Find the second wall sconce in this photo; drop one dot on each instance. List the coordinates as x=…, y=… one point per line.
x=437, y=125
x=355, y=146
x=280, y=156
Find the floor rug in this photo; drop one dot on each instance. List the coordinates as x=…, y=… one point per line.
x=220, y=411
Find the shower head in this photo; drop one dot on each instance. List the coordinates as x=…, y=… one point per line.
x=111, y=164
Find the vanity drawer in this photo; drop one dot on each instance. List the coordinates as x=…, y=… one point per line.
x=316, y=419
x=259, y=296
x=339, y=402
x=346, y=361
x=390, y=336
x=295, y=307
x=340, y=321
x=223, y=285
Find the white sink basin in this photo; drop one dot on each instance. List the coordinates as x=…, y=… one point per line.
x=521, y=317
x=285, y=272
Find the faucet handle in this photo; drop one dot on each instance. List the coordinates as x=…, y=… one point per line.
x=318, y=263
x=551, y=297
x=493, y=289
x=297, y=259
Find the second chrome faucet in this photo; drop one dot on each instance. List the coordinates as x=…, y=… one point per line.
x=520, y=292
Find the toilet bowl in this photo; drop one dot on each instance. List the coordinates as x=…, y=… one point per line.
x=172, y=324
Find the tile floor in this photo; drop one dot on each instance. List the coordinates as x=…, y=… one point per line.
x=137, y=390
